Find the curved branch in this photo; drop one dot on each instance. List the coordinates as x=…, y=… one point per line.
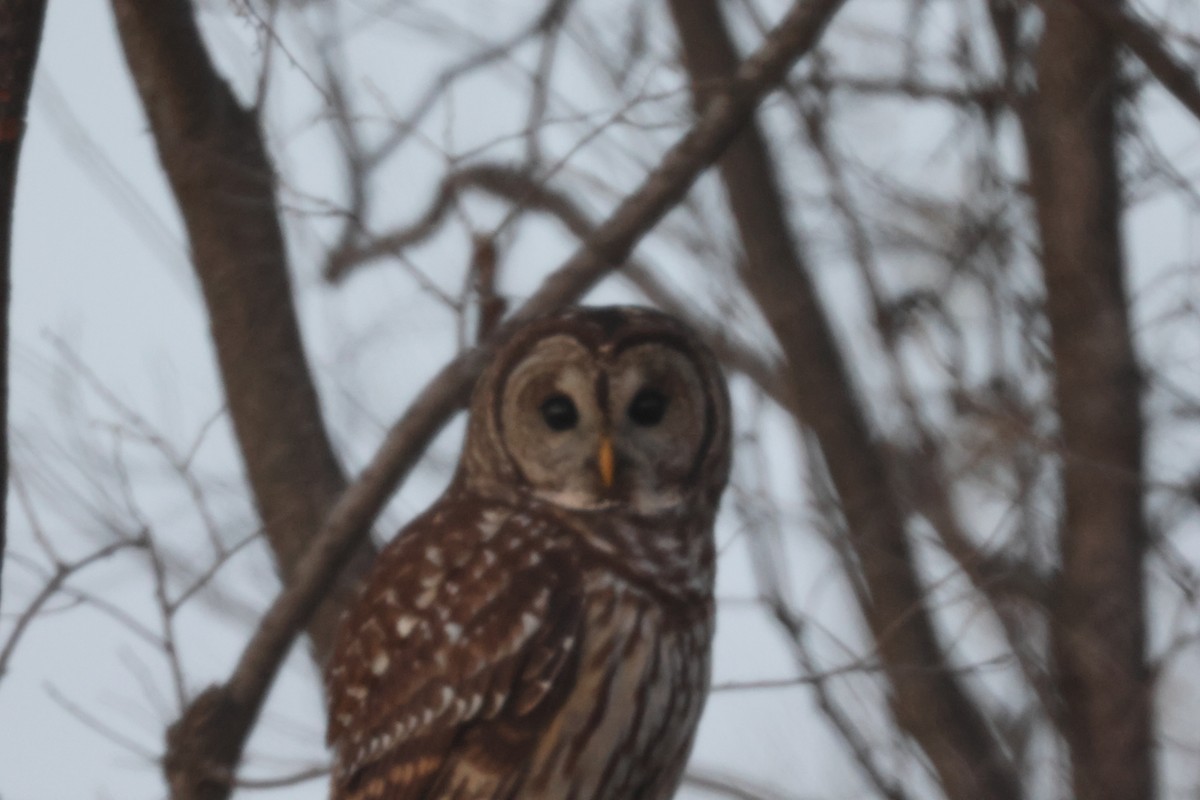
x=205, y=745
x=928, y=702
x=361, y=163
x=1146, y=43
x=522, y=189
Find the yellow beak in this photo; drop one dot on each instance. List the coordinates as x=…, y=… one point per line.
x=605, y=460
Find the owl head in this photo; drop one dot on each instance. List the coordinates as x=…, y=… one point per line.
x=601, y=408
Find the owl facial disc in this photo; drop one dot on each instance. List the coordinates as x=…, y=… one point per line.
x=592, y=411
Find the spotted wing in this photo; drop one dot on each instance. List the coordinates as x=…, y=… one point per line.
x=457, y=653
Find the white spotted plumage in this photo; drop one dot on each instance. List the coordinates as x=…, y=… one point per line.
x=543, y=631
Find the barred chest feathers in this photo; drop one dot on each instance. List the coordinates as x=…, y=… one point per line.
x=543, y=631
x=627, y=728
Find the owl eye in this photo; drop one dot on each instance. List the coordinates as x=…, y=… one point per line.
x=647, y=408
x=559, y=412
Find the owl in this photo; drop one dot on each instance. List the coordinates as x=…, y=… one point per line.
x=543, y=631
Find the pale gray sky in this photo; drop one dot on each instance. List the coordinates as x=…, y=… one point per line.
x=101, y=272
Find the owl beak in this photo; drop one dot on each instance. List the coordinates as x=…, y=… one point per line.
x=606, y=461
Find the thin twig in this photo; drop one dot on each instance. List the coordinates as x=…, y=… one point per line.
x=731, y=786
x=1146, y=43
x=53, y=586
x=229, y=711
x=100, y=726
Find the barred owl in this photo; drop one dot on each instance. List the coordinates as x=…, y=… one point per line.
x=543, y=631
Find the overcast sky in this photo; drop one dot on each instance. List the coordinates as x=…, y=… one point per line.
x=102, y=277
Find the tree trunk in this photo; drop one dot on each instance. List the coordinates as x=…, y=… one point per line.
x=212, y=151
x=927, y=700
x=1099, y=613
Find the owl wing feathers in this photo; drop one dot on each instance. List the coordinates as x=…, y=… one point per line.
x=448, y=666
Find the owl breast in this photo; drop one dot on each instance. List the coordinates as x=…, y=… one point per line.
x=626, y=729
x=543, y=631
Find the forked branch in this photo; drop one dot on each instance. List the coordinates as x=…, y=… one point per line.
x=928, y=700
x=205, y=746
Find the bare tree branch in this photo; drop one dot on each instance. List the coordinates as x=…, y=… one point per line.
x=988, y=510
x=20, y=39
x=205, y=745
x=519, y=187
x=53, y=585
x=214, y=157
x=361, y=162
x=1098, y=627
x=1147, y=44
x=859, y=747
x=928, y=702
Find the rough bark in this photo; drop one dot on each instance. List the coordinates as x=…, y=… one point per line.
x=20, y=39
x=212, y=151
x=1098, y=624
x=927, y=700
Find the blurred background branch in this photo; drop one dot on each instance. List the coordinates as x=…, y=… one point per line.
x=947, y=258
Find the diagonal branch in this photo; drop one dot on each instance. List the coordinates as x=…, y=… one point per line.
x=928, y=701
x=1147, y=44
x=361, y=162
x=205, y=745
x=519, y=186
